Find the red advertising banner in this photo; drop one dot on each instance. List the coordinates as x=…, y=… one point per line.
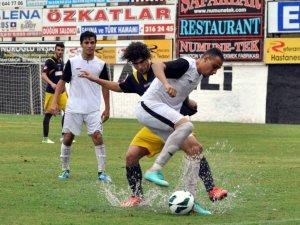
x=208, y=8
x=233, y=50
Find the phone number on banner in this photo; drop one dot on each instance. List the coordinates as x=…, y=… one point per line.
x=159, y=28
x=11, y=3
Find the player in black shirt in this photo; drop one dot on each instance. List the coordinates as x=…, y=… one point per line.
x=52, y=72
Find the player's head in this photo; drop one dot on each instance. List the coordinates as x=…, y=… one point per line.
x=210, y=62
x=88, y=42
x=59, y=50
x=87, y=35
x=139, y=55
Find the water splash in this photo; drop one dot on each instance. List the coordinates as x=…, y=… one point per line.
x=156, y=198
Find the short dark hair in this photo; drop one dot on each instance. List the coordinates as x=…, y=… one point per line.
x=87, y=34
x=135, y=51
x=214, y=52
x=61, y=45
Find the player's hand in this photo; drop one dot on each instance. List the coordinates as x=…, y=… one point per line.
x=54, y=109
x=85, y=74
x=170, y=90
x=105, y=116
x=53, y=86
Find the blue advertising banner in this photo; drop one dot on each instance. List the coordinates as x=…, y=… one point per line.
x=219, y=27
x=128, y=29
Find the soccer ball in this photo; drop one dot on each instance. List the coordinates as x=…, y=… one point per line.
x=181, y=202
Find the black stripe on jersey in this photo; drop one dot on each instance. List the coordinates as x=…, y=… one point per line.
x=157, y=116
x=67, y=74
x=104, y=73
x=175, y=69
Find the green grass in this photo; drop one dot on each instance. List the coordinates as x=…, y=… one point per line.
x=259, y=164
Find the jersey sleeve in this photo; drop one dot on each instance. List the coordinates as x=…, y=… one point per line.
x=128, y=84
x=48, y=66
x=176, y=68
x=67, y=73
x=104, y=73
x=186, y=110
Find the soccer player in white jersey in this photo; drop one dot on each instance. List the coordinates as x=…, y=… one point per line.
x=159, y=107
x=83, y=105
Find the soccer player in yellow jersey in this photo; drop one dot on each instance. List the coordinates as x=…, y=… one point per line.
x=52, y=72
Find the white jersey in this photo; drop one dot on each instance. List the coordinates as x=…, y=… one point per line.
x=84, y=95
x=184, y=85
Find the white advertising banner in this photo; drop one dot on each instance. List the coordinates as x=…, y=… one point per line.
x=245, y=102
x=284, y=17
x=21, y=23
x=119, y=20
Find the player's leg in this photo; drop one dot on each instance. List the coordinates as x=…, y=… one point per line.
x=134, y=174
x=95, y=130
x=144, y=143
x=200, y=167
x=62, y=102
x=47, y=118
x=168, y=124
x=72, y=126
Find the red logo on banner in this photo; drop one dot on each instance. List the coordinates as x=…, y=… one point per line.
x=276, y=46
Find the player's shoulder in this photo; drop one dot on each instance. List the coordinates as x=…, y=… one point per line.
x=97, y=59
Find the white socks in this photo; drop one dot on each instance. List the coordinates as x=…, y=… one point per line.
x=65, y=152
x=174, y=142
x=101, y=157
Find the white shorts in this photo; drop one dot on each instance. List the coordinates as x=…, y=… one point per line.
x=158, y=117
x=73, y=123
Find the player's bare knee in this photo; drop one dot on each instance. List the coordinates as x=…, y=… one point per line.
x=97, y=138
x=68, y=139
x=131, y=159
x=194, y=151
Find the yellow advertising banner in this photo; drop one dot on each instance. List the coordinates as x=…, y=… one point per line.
x=282, y=51
x=107, y=54
x=161, y=50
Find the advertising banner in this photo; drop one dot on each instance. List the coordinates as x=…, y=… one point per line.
x=282, y=51
x=220, y=27
x=235, y=27
x=215, y=8
x=21, y=23
x=68, y=2
x=125, y=20
x=161, y=50
x=284, y=17
x=233, y=50
x=25, y=52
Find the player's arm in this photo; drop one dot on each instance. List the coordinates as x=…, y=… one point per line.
x=47, y=69
x=105, y=92
x=60, y=87
x=172, y=69
x=159, y=71
x=110, y=85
